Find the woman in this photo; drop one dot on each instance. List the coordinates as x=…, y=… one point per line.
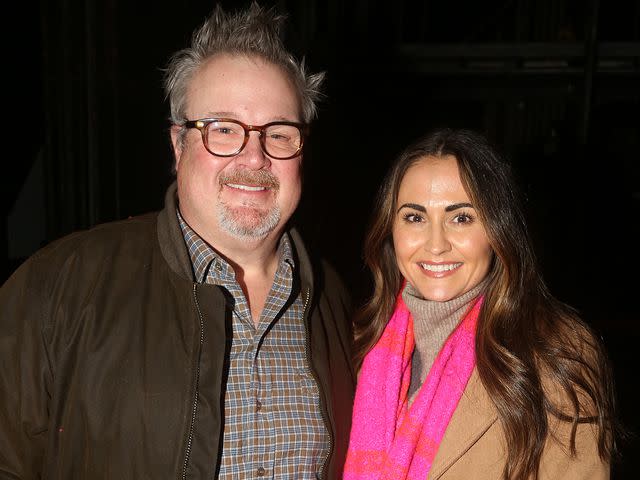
x=469, y=368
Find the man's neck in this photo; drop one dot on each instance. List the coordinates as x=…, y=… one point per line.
x=255, y=269
x=247, y=254
x=254, y=261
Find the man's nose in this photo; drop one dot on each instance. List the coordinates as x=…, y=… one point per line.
x=252, y=155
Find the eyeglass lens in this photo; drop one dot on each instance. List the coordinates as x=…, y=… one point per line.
x=279, y=141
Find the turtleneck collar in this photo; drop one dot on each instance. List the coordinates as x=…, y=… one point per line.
x=433, y=322
x=433, y=310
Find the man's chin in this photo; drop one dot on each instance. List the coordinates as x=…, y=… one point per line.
x=248, y=222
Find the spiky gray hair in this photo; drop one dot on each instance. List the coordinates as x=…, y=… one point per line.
x=251, y=32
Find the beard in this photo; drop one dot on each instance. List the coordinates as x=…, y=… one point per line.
x=249, y=220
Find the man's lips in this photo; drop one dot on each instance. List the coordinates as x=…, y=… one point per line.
x=247, y=188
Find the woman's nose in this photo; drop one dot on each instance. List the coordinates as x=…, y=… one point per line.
x=438, y=243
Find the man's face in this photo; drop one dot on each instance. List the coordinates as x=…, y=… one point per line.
x=249, y=195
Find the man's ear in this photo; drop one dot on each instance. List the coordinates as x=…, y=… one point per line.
x=176, y=142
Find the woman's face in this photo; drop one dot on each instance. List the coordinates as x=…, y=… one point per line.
x=441, y=245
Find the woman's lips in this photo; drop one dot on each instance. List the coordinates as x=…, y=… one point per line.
x=439, y=270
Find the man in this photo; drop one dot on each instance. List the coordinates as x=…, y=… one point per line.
x=199, y=341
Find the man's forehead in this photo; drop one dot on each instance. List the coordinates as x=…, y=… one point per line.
x=235, y=86
x=234, y=114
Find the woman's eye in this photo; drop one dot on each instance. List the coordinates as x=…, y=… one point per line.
x=463, y=218
x=412, y=218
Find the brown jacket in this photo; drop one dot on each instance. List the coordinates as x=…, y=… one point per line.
x=112, y=359
x=473, y=446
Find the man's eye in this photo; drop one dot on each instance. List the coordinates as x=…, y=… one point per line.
x=279, y=137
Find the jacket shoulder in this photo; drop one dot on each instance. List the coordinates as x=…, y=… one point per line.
x=334, y=284
x=84, y=256
x=131, y=235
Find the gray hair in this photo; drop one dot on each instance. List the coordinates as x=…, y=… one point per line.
x=251, y=32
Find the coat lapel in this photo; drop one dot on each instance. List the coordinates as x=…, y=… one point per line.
x=473, y=416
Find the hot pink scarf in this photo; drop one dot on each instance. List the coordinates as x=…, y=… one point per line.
x=389, y=440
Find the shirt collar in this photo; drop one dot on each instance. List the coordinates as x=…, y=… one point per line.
x=204, y=257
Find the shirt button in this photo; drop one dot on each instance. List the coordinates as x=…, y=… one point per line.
x=261, y=472
x=258, y=405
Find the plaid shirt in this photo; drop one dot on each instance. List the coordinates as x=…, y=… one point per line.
x=273, y=425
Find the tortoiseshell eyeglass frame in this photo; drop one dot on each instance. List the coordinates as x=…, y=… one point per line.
x=203, y=125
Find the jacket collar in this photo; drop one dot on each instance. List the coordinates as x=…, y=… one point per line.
x=170, y=237
x=473, y=416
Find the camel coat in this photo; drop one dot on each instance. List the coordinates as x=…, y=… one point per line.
x=473, y=446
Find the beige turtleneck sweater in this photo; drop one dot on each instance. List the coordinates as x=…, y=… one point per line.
x=432, y=323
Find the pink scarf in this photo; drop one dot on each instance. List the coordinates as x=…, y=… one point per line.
x=389, y=440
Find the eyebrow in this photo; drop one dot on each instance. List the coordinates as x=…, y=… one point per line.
x=448, y=208
x=234, y=116
x=415, y=206
x=456, y=206
x=220, y=115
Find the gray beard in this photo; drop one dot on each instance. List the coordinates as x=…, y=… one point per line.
x=248, y=226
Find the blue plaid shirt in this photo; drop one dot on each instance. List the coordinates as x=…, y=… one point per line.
x=273, y=424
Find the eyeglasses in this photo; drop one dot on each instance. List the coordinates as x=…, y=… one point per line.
x=225, y=137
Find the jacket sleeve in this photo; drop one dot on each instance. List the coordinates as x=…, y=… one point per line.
x=25, y=375
x=557, y=461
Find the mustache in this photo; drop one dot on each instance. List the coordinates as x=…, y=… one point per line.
x=262, y=178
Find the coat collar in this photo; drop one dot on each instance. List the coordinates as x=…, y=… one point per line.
x=170, y=237
x=473, y=416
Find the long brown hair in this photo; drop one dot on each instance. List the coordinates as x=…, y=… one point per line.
x=524, y=334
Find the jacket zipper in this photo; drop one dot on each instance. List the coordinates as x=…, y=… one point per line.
x=194, y=409
x=325, y=418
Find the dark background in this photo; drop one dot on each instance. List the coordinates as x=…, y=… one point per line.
x=555, y=84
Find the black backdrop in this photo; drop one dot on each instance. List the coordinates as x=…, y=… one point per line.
x=555, y=84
